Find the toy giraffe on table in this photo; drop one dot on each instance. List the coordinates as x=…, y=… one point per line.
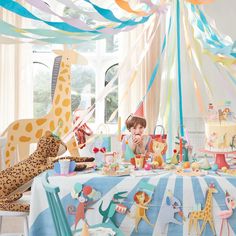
x=21, y=133
x=205, y=214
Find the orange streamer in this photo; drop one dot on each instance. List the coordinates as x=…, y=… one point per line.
x=125, y=6
x=198, y=2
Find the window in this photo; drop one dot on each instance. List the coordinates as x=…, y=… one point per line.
x=87, y=82
x=111, y=100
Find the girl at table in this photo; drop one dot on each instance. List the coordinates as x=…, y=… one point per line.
x=137, y=141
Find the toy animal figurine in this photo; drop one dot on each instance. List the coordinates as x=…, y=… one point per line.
x=114, y=206
x=233, y=143
x=211, y=140
x=21, y=133
x=224, y=215
x=19, y=176
x=142, y=199
x=205, y=215
x=174, y=158
x=224, y=143
x=223, y=115
x=86, y=196
x=158, y=149
x=167, y=212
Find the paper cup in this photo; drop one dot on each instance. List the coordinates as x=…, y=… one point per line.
x=64, y=166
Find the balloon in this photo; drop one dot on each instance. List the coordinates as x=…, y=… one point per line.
x=87, y=190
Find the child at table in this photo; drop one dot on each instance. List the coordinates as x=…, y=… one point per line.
x=136, y=140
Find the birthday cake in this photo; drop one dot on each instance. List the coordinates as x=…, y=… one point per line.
x=220, y=130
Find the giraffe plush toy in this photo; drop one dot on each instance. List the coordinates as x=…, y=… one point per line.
x=205, y=215
x=21, y=133
x=15, y=180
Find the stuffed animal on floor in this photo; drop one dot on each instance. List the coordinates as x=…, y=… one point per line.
x=13, y=179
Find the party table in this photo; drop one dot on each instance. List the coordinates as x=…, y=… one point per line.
x=189, y=190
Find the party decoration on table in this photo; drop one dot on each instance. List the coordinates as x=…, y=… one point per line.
x=64, y=170
x=228, y=171
x=129, y=154
x=157, y=148
x=86, y=196
x=81, y=131
x=114, y=206
x=139, y=161
x=21, y=133
x=112, y=167
x=214, y=167
x=169, y=166
x=186, y=165
x=101, y=144
x=195, y=166
x=205, y=215
x=142, y=199
x=168, y=210
x=17, y=179
x=174, y=158
x=159, y=142
x=182, y=146
x=189, y=172
x=226, y=214
x=204, y=164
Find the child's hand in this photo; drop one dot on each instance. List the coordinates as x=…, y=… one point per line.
x=137, y=139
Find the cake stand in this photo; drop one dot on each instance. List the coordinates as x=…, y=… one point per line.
x=220, y=157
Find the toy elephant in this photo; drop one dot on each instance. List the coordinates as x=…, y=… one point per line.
x=167, y=212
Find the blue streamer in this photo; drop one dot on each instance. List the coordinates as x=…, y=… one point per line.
x=110, y=16
x=179, y=70
x=154, y=73
x=22, y=11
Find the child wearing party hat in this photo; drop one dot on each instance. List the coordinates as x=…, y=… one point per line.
x=135, y=142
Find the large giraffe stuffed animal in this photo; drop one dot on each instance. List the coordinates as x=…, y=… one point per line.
x=205, y=215
x=16, y=179
x=21, y=133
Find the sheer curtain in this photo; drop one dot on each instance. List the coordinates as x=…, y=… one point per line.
x=16, y=94
x=139, y=51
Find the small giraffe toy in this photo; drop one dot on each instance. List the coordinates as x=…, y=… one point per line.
x=205, y=215
x=21, y=133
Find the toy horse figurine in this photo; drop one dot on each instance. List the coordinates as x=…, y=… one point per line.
x=225, y=214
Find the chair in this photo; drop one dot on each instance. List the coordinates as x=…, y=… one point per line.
x=16, y=214
x=58, y=214
x=61, y=224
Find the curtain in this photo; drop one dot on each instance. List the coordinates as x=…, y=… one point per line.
x=16, y=95
x=139, y=51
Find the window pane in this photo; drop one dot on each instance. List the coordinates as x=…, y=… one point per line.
x=83, y=87
x=111, y=100
x=111, y=43
x=42, y=89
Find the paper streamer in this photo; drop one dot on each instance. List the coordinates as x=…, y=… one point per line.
x=125, y=5
x=179, y=70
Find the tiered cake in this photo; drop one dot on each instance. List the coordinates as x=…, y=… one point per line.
x=220, y=130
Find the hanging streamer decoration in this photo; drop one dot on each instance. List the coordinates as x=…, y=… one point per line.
x=74, y=30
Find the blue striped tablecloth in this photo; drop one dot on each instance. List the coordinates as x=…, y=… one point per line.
x=189, y=190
